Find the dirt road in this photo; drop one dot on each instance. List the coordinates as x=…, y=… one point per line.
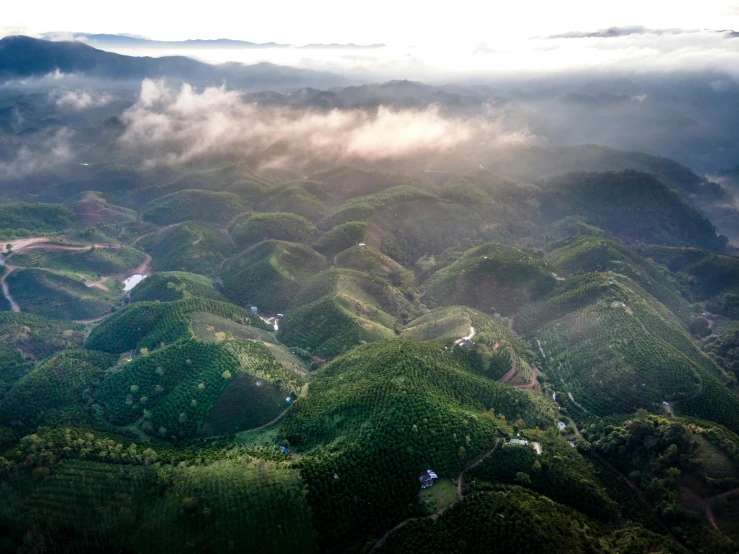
x=6, y=291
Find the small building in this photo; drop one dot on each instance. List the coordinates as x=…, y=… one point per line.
x=254, y=309
x=496, y=315
x=288, y=400
x=572, y=444
x=519, y=442
x=427, y=478
x=554, y=275
x=561, y=425
x=279, y=315
x=361, y=244
x=276, y=327
x=284, y=450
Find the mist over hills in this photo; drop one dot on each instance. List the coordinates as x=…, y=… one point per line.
x=260, y=305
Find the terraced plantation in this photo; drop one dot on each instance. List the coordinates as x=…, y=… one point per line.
x=344, y=360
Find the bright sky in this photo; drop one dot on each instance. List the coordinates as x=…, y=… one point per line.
x=395, y=22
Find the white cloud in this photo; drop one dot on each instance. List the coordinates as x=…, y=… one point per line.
x=189, y=125
x=80, y=100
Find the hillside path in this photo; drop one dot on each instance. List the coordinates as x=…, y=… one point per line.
x=6, y=292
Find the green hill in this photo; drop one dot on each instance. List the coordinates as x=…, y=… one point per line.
x=345, y=183
x=174, y=285
x=606, y=342
x=26, y=338
x=269, y=274
x=24, y=219
x=632, y=205
x=60, y=296
x=341, y=237
x=376, y=417
x=192, y=387
x=496, y=349
x=490, y=278
x=708, y=276
x=303, y=198
x=56, y=390
x=524, y=522
x=190, y=246
x=361, y=209
x=372, y=261
x=203, y=205
x=92, y=261
x=589, y=254
x=92, y=208
x=340, y=308
x=153, y=324
x=252, y=228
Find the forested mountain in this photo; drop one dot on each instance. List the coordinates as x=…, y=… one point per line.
x=217, y=336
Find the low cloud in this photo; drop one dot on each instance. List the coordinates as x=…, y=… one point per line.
x=80, y=100
x=49, y=153
x=613, y=32
x=185, y=125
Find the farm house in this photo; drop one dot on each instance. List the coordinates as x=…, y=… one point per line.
x=427, y=478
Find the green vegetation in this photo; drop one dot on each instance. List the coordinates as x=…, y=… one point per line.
x=225, y=387
x=369, y=260
x=24, y=219
x=25, y=338
x=92, y=261
x=340, y=308
x=383, y=413
x=363, y=208
x=174, y=285
x=608, y=343
x=341, y=237
x=59, y=295
x=704, y=275
x=251, y=228
x=190, y=246
x=204, y=205
x=673, y=462
x=559, y=472
x=151, y=324
x=589, y=254
x=57, y=390
x=269, y=274
x=490, y=278
x=496, y=349
x=648, y=210
x=516, y=520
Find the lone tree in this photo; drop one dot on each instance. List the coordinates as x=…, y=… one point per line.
x=9, y=247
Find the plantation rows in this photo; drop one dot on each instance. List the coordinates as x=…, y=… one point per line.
x=97, y=261
x=150, y=324
x=174, y=387
x=716, y=403
x=491, y=277
x=227, y=505
x=57, y=384
x=606, y=360
x=391, y=410
x=90, y=496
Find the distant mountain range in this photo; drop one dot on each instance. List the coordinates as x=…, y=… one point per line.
x=128, y=41
x=23, y=57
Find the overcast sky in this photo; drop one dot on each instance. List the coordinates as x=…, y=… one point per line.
x=426, y=39
x=395, y=22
